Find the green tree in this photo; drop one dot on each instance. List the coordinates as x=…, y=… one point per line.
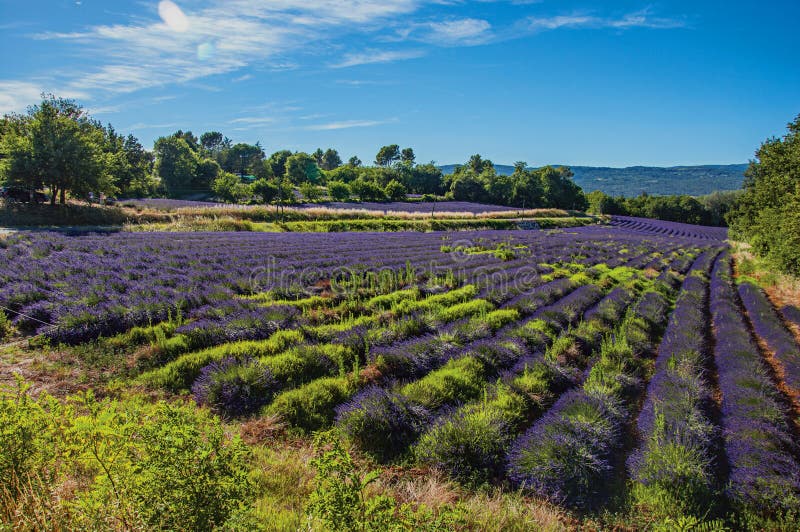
x=767, y=213
x=212, y=142
x=301, y=168
x=266, y=189
x=338, y=190
x=310, y=191
x=318, y=155
x=367, y=190
x=229, y=188
x=330, y=160
x=395, y=191
x=176, y=164
x=354, y=161
x=277, y=162
x=388, y=155
x=560, y=191
x=407, y=156
x=58, y=145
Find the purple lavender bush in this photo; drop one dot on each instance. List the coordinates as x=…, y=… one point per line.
x=233, y=387
x=381, y=423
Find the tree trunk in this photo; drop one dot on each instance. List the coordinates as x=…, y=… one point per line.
x=53, y=192
x=63, y=196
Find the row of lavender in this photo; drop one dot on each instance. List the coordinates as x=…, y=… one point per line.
x=676, y=229
x=104, y=284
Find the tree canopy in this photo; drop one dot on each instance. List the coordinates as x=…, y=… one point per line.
x=768, y=212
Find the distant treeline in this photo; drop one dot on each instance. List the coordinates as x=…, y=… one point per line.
x=655, y=181
x=710, y=209
x=58, y=146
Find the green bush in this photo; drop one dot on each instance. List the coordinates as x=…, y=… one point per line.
x=458, y=380
x=471, y=444
x=133, y=464
x=5, y=326
x=312, y=406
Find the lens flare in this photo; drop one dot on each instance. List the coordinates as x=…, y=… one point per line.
x=173, y=16
x=205, y=51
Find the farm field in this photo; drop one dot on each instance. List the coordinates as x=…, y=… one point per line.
x=612, y=375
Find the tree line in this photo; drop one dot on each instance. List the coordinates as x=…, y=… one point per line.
x=57, y=145
x=710, y=209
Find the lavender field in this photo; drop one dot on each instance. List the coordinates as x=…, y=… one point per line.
x=593, y=368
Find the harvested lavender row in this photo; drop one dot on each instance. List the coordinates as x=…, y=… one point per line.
x=769, y=327
x=675, y=457
x=762, y=453
x=568, y=456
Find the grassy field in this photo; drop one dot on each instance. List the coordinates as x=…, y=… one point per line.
x=583, y=378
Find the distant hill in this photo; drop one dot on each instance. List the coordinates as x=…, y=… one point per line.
x=632, y=181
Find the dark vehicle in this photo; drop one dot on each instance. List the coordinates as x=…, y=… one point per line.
x=22, y=195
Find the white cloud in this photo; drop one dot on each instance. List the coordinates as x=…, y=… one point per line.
x=16, y=96
x=346, y=124
x=173, y=16
x=253, y=120
x=639, y=19
x=377, y=56
x=460, y=32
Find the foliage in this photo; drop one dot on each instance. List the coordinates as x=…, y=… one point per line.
x=768, y=213
x=381, y=423
x=58, y=145
x=141, y=465
x=233, y=387
x=228, y=187
x=338, y=190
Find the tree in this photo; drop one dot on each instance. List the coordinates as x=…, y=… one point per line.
x=338, y=191
x=176, y=164
x=407, y=156
x=277, y=162
x=301, y=167
x=207, y=171
x=317, y=155
x=767, y=213
x=56, y=144
x=310, y=191
x=388, y=155
x=266, y=189
x=367, y=190
x=330, y=160
x=424, y=179
x=354, y=161
x=560, y=191
x=229, y=188
x=211, y=141
x=395, y=191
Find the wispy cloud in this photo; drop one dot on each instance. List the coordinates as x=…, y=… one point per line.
x=346, y=124
x=142, y=125
x=181, y=42
x=639, y=19
x=254, y=120
x=376, y=56
x=16, y=95
x=460, y=32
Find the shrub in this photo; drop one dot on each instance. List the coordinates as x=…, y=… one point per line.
x=5, y=326
x=312, y=406
x=234, y=388
x=381, y=423
x=471, y=445
x=565, y=457
x=458, y=380
x=338, y=191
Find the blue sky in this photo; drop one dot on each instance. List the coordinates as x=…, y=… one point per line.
x=611, y=83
